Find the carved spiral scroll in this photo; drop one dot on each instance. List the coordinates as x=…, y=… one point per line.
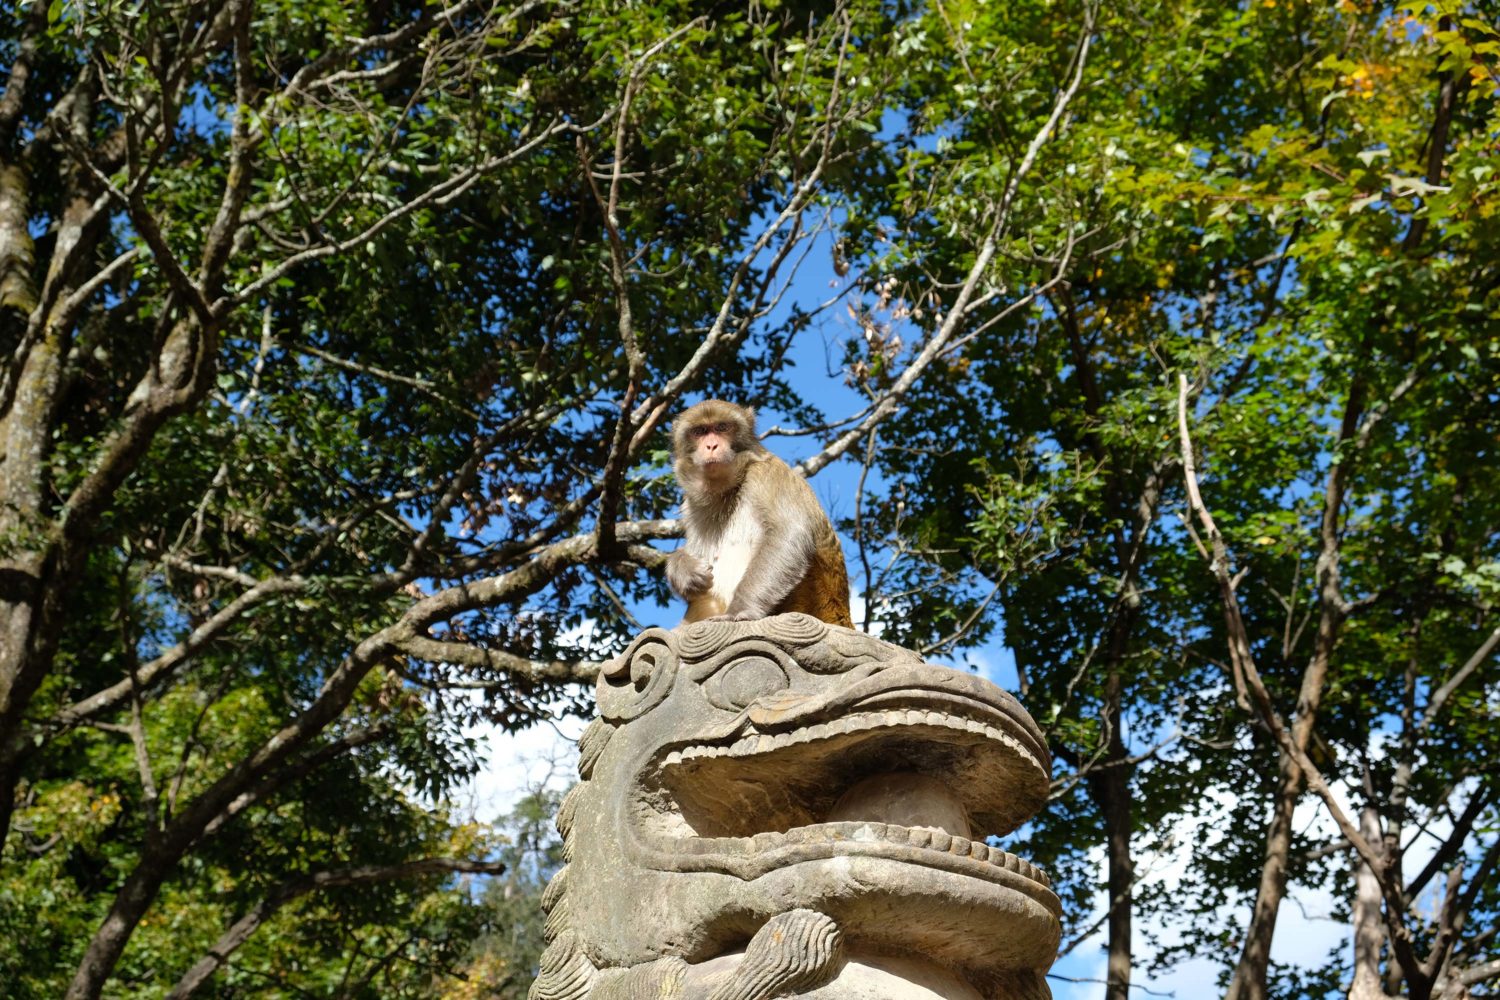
x=565, y=973
x=703, y=639
x=637, y=682
x=660, y=980
x=793, y=952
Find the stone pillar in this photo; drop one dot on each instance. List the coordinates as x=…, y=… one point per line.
x=786, y=808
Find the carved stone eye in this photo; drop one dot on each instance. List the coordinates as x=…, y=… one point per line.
x=744, y=680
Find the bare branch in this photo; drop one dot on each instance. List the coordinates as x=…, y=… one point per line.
x=649, y=414
x=1441, y=695
x=439, y=194
x=241, y=930
x=496, y=660
x=158, y=668
x=939, y=343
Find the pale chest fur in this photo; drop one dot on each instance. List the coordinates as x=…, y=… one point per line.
x=727, y=550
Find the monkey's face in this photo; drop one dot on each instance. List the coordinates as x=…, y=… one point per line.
x=713, y=444
x=710, y=437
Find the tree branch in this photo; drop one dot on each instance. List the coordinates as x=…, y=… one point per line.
x=240, y=931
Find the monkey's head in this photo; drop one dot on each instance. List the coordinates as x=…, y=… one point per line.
x=712, y=442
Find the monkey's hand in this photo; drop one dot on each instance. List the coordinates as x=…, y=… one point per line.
x=687, y=575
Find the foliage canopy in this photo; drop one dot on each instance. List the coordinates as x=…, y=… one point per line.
x=339, y=337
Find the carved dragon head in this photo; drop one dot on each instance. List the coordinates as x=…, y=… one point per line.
x=741, y=770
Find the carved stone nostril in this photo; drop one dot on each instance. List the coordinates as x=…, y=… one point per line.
x=904, y=799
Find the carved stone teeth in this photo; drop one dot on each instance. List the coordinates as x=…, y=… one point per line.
x=766, y=841
x=859, y=832
x=759, y=744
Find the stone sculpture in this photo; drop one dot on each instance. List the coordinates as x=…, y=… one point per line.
x=785, y=808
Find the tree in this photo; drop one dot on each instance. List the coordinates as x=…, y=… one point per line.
x=532, y=852
x=312, y=426
x=339, y=339
x=1281, y=206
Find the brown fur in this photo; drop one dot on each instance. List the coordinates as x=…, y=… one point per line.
x=751, y=519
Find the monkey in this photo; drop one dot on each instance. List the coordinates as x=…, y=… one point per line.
x=757, y=542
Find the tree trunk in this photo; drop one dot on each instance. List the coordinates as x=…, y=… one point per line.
x=1369, y=927
x=26, y=645
x=1112, y=791
x=1250, y=974
x=34, y=577
x=17, y=250
x=131, y=902
x=1249, y=982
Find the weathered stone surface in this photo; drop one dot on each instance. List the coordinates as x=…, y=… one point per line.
x=788, y=808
